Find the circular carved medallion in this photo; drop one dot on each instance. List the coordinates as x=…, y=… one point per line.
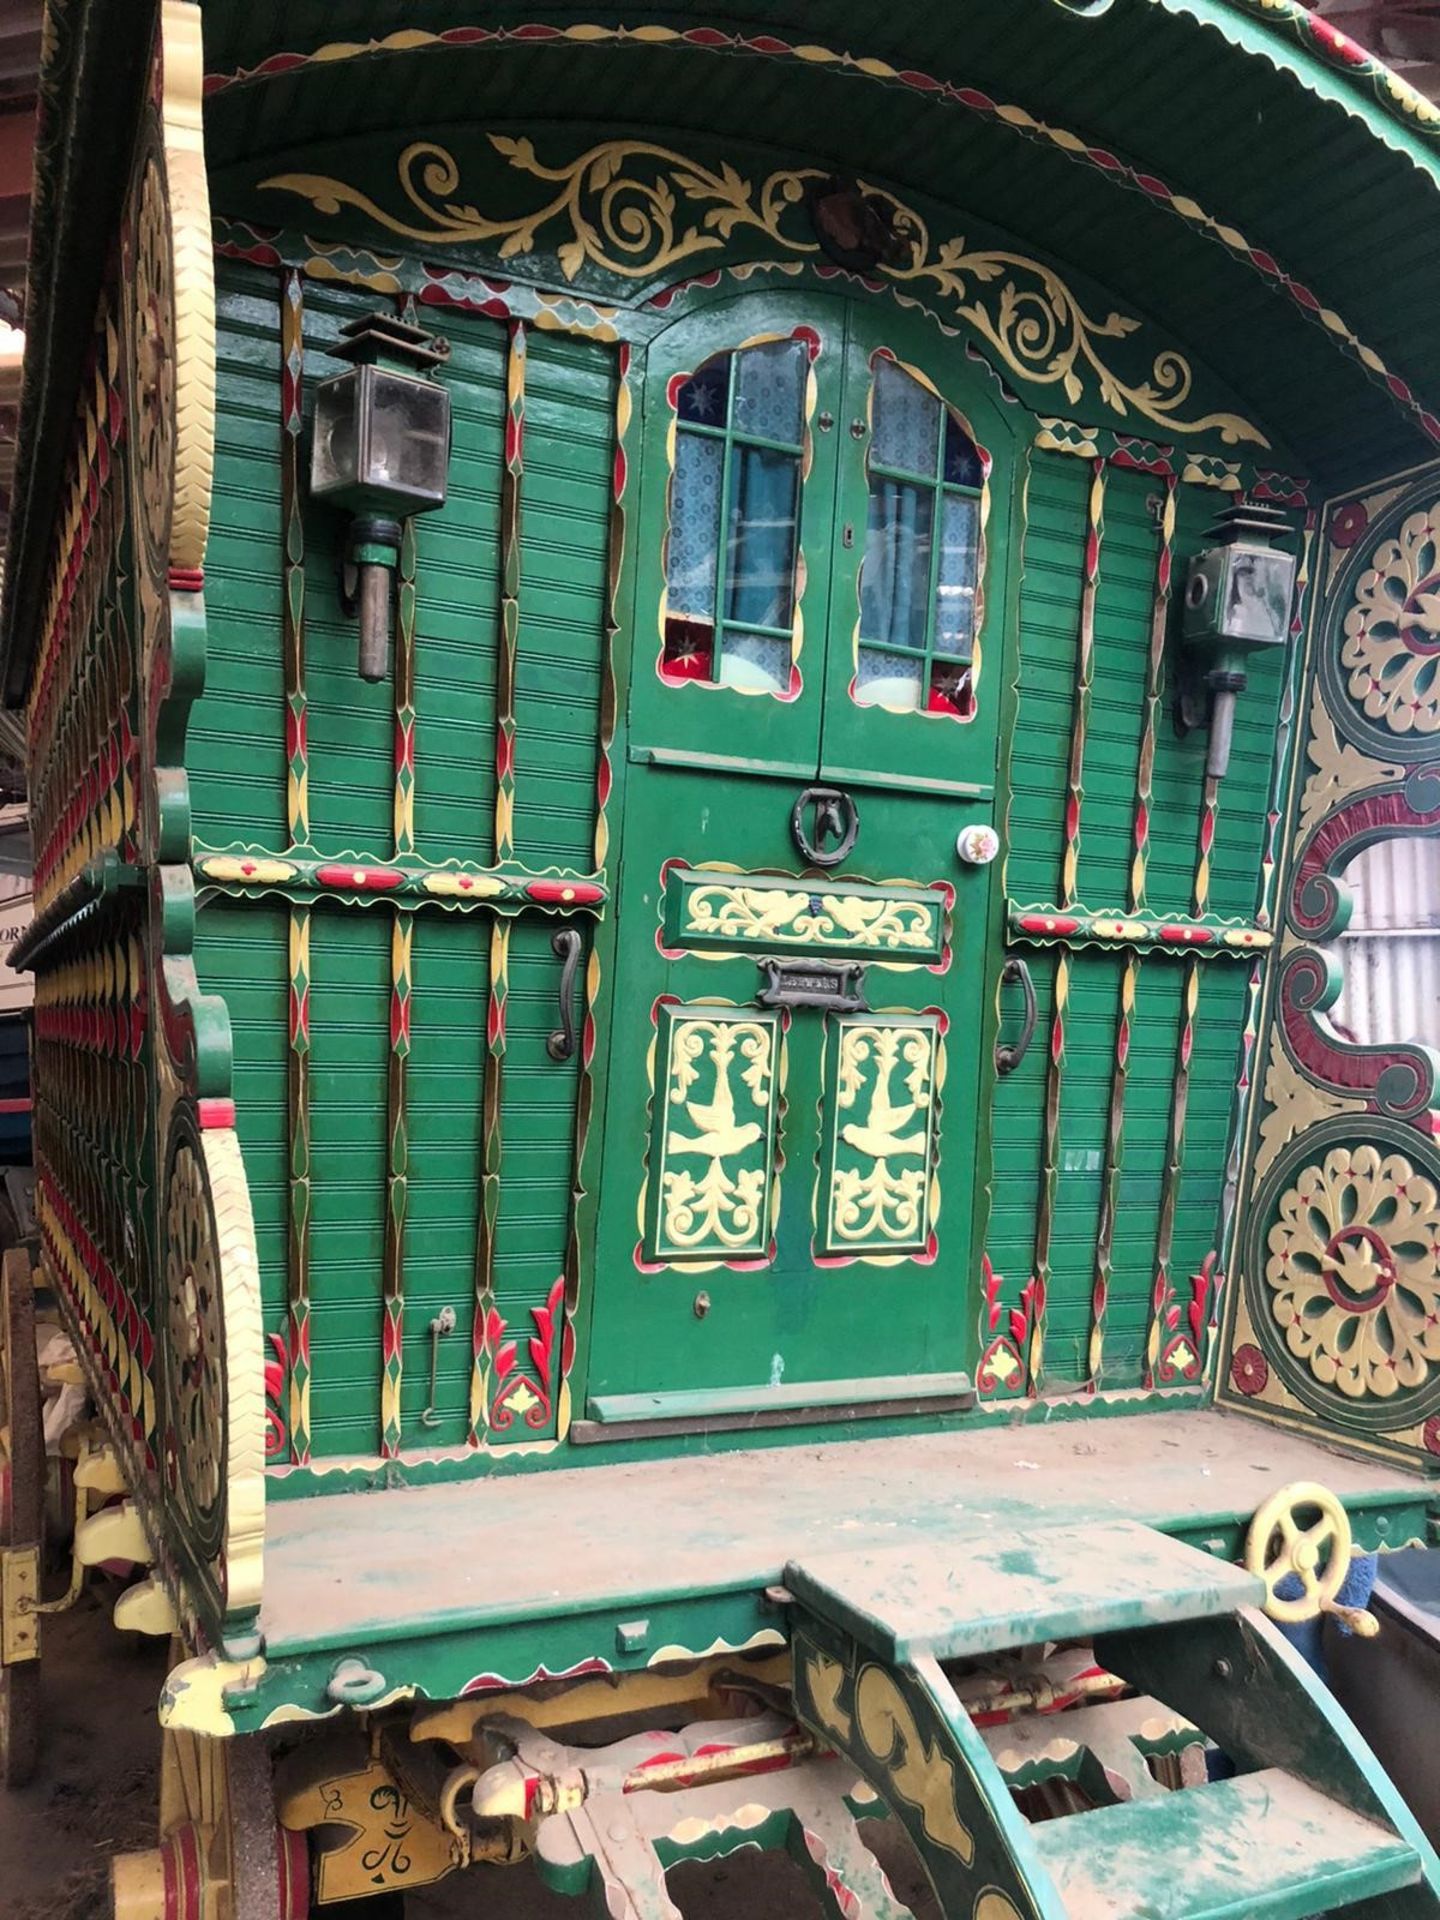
x=194, y=1349
x=1383, y=667
x=1345, y=1283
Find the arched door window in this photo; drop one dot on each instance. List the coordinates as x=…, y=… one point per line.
x=919, y=581
x=734, y=518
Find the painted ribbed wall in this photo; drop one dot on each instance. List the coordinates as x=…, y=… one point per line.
x=1391, y=951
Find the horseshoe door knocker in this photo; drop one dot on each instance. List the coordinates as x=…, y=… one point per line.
x=832, y=815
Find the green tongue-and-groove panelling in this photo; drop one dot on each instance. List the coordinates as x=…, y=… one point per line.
x=569, y=459
x=1057, y=506
x=237, y=762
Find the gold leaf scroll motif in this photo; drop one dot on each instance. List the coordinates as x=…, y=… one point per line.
x=637, y=210
x=715, y=1146
x=772, y=913
x=920, y=1774
x=880, y=1181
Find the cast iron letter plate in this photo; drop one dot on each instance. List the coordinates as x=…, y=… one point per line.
x=838, y=986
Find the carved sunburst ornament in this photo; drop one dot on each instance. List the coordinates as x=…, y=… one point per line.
x=196, y=1345
x=1391, y=648
x=150, y=322
x=1354, y=1272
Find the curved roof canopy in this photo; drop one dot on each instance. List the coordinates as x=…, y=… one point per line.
x=1233, y=171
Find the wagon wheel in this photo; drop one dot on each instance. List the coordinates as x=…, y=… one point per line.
x=1317, y=1554
x=222, y=1850
x=22, y=1517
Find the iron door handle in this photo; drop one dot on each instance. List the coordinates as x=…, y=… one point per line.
x=1007, y=1058
x=565, y=945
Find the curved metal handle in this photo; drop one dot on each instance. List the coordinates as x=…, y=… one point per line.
x=565, y=945
x=1007, y=1058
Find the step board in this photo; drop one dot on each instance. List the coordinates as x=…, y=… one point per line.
x=961, y=1594
x=1262, y=1847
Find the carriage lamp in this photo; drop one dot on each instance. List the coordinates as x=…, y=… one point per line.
x=381, y=448
x=1237, y=599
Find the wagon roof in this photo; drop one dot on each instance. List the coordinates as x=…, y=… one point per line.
x=1234, y=170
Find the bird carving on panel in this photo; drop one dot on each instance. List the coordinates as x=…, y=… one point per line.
x=879, y=1136
x=718, y=1133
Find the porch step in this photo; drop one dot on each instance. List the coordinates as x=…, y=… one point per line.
x=965, y=1594
x=1261, y=1847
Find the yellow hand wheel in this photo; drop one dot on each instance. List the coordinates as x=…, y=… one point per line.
x=1301, y=1530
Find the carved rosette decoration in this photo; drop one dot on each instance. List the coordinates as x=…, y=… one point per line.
x=1391, y=650
x=1341, y=1307
x=1354, y=1272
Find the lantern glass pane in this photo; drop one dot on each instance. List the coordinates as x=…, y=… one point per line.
x=335, y=451
x=1257, y=595
x=408, y=443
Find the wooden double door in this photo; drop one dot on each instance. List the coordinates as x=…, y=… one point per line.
x=806, y=942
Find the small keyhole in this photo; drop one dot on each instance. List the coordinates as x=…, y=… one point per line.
x=847, y=535
x=825, y=422
x=857, y=429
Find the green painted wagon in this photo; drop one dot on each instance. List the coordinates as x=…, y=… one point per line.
x=723, y=704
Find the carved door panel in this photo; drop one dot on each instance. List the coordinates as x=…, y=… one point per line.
x=791, y=1135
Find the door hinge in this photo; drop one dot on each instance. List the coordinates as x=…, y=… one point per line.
x=19, y=1598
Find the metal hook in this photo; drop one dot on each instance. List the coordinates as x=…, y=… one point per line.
x=443, y=1323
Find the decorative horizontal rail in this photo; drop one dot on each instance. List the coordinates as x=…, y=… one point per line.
x=408, y=882
x=1206, y=936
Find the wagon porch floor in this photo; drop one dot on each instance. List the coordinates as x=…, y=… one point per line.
x=344, y=1569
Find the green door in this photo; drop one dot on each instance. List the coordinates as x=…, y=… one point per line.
x=790, y=1141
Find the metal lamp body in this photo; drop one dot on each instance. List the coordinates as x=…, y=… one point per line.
x=381, y=450
x=1237, y=600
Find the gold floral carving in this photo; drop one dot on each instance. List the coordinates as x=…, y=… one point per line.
x=1293, y=1104
x=1391, y=648
x=717, y=1134
x=1340, y=769
x=1354, y=1272
x=638, y=210
x=872, y=1201
x=192, y=244
x=738, y=912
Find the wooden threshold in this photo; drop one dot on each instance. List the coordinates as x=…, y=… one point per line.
x=618, y=1416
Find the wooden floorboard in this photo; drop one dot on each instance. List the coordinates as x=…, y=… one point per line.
x=532, y=1545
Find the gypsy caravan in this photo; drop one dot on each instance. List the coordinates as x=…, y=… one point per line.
x=707, y=691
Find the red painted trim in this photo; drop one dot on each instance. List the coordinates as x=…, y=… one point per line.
x=574, y=893
x=187, y=579
x=15, y=1106
x=216, y=1113
x=358, y=879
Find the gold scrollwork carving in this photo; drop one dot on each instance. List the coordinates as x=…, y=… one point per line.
x=872, y=1203
x=1292, y=1104
x=638, y=210
x=736, y=912
x=718, y=1114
